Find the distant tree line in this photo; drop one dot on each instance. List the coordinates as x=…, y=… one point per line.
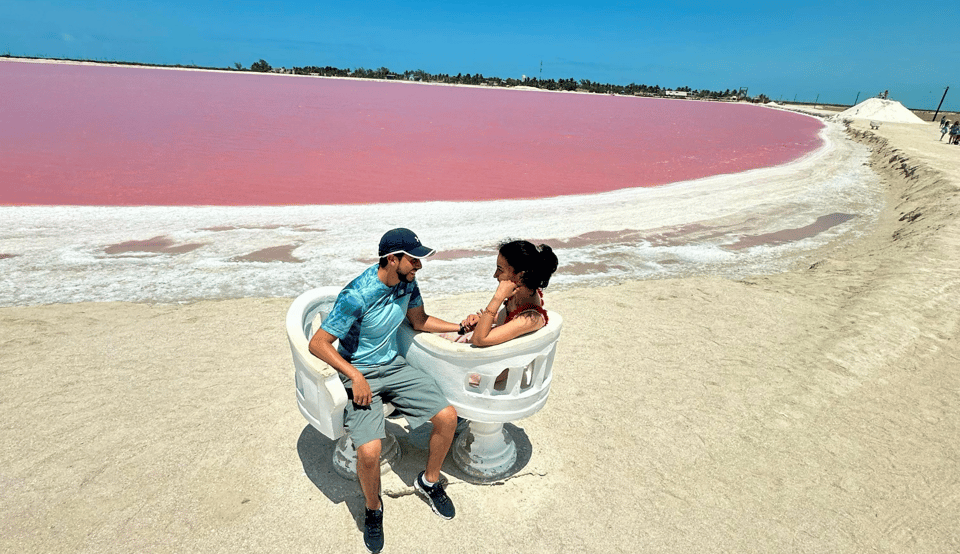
x=582, y=85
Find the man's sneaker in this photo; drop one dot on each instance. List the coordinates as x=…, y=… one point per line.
x=373, y=529
x=436, y=497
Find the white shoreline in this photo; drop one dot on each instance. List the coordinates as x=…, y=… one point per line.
x=701, y=217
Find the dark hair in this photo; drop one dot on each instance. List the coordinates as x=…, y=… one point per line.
x=384, y=261
x=536, y=262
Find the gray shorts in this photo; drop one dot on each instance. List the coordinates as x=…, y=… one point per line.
x=414, y=393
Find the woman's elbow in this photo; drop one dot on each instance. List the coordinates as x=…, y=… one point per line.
x=482, y=341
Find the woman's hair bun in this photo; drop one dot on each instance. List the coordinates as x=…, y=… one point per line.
x=538, y=263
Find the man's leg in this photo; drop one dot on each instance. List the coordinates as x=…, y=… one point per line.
x=428, y=483
x=368, y=470
x=444, y=426
x=417, y=395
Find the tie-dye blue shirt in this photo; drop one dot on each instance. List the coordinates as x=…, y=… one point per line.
x=366, y=316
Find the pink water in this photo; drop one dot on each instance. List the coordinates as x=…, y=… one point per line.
x=96, y=135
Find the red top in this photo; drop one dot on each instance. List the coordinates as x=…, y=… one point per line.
x=526, y=308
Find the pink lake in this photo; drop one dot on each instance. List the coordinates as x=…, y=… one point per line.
x=126, y=136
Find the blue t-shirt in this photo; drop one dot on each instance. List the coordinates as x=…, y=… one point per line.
x=366, y=316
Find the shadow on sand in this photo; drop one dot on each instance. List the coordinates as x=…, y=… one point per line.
x=316, y=455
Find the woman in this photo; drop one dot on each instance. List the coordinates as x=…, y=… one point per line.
x=516, y=307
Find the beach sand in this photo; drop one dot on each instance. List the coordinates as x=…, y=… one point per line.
x=811, y=411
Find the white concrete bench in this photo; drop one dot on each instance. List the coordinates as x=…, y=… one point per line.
x=466, y=374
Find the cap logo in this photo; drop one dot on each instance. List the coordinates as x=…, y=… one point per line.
x=404, y=241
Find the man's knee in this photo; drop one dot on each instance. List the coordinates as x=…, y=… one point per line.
x=446, y=417
x=369, y=453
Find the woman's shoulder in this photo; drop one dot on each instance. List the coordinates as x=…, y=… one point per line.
x=540, y=310
x=530, y=309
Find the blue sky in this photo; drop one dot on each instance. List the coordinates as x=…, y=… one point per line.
x=834, y=52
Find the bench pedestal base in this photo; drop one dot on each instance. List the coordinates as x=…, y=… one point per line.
x=345, y=456
x=485, y=451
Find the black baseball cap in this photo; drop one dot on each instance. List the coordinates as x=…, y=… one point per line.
x=403, y=241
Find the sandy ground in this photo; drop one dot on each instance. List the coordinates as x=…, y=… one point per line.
x=811, y=411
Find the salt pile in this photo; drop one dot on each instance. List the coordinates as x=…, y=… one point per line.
x=878, y=109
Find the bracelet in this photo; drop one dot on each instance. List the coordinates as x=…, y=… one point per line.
x=486, y=311
x=463, y=330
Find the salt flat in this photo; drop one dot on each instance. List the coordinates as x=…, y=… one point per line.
x=814, y=410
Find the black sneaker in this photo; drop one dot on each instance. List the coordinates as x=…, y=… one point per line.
x=438, y=499
x=373, y=529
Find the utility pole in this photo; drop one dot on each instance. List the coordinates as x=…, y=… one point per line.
x=940, y=104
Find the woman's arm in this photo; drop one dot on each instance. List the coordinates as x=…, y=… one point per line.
x=485, y=334
x=527, y=322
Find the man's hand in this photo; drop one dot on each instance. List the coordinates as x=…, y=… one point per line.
x=321, y=346
x=470, y=322
x=361, y=391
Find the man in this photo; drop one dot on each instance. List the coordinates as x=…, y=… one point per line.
x=365, y=319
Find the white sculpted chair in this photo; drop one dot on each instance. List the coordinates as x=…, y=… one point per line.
x=320, y=393
x=468, y=376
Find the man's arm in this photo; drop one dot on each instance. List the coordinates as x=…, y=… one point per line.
x=420, y=321
x=321, y=346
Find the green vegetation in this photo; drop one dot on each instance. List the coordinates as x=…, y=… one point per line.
x=582, y=85
x=260, y=66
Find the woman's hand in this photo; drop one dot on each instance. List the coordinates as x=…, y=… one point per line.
x=506, y=289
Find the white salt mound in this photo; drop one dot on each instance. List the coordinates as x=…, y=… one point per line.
x=878, y=109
